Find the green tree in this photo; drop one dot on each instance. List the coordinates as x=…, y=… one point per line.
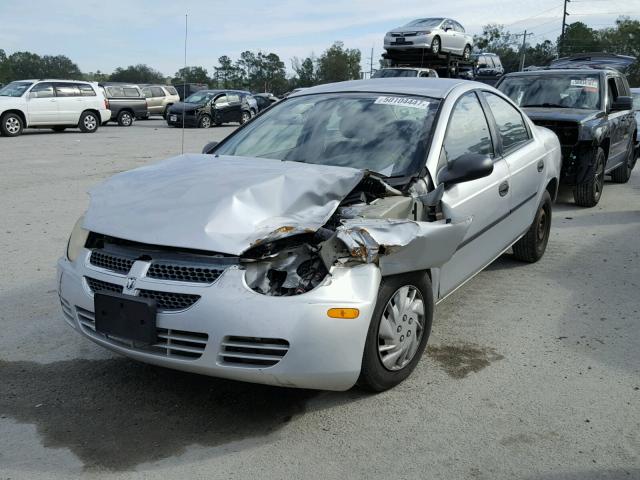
x=191, y=75
x=59, y=66
x=624, y=39
x=227, y=75
x=305, y=71
x=337, y=64
x=137, y=74
x=5, y=71
x=96, y=76
x=541, y=54
x=578, y=38
x=24, y=65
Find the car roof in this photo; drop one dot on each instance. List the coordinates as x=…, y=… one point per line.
x=53, y=80
x=435, y=87
x=556, y=71
x=406, y=68
x=118, y=84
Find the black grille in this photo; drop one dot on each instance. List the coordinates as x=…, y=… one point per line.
x=253, y=351
x=111, y=261
x=170, y=301
x=102, y=286
x=567, y=133
x=182, y=273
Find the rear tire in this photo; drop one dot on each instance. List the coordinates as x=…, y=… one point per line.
x=588, y=193
x=125, y=118
x=398, y=332
x=531, y=247
x=622, y=174
x=246, y=116
x=11, y=125
x=466, y=53
x=89, y=122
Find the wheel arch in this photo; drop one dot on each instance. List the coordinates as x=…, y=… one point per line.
x=552, y=188
x=18, y=112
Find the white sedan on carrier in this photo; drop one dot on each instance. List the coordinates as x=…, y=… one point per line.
x=309, y=248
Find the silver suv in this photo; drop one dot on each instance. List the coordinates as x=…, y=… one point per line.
x=159, y=98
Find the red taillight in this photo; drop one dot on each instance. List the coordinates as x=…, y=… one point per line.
x=106, y=104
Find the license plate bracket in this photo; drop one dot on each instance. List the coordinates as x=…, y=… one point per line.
x=124, y=316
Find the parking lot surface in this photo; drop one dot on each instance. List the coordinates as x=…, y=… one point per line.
x=533, y=371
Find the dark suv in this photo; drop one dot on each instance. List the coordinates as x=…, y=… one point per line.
x=590, y=110
x=210, y=107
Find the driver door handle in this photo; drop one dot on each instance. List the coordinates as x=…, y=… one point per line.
x=503, y=189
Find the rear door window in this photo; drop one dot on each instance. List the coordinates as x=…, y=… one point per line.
x=67, y=89
x=157, y=92
x=511, y=126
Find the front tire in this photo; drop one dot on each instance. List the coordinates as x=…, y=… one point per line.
x=532, y=246
x=89, y=122
x=125, y=118
x=622, y=174
x=588, y=193
x=11, y=125
x=204, y=122
x=398, y=332
x=436, y=45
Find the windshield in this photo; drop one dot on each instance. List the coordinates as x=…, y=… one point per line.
x=387, y=134
x=394, y=72
x=636, y=100
x=199, y=97
x=425, y=22
x=15, y=89
x=580, y=91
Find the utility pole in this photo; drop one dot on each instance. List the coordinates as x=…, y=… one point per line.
x=564, y=27
x=523, y=50
x=371, y=64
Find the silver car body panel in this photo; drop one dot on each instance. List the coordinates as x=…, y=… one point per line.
x=224, y=204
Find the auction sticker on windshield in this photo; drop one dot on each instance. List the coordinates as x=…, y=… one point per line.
x=403, y=102
x=591, y=83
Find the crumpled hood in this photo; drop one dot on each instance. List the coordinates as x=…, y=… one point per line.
x=577, y=115
x=221, y=204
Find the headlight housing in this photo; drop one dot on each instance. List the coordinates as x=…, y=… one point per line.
x=77, y=240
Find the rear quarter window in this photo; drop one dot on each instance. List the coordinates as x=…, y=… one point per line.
x=86, y=90
x=171, y=90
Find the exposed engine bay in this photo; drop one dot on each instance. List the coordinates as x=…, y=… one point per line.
x=375, y=223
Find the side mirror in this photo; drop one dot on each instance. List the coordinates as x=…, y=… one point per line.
x=209, y=147
x=622, y=103
x=469, y=166
x=446, y=29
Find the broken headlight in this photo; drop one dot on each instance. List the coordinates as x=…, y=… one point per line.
x=291, y=270
x=77, y=240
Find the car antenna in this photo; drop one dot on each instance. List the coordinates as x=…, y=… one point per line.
x=184, y=86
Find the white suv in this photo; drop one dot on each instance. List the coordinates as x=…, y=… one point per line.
x=56, y=104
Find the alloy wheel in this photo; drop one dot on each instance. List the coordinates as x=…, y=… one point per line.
x=12, y=125
x=90, y=122
x=435, y=45
x=401, y=328
x=598, y=183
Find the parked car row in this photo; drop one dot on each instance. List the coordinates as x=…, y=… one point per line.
x=62, y=104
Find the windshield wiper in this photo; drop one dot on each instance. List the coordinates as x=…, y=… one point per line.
x=547, y=105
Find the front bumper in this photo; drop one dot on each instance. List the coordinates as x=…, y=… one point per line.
x=417, y=41
x=189, y=120
x=323, y=353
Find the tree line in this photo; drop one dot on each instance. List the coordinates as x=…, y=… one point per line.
x=623, y=38
x=266, y=72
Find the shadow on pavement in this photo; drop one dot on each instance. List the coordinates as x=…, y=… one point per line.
x=116, y=413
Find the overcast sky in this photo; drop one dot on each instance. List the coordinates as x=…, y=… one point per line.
x=110, y=33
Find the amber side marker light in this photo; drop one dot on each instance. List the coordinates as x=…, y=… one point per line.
x=347, y=313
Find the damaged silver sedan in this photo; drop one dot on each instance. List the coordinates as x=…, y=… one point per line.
x=310, y=247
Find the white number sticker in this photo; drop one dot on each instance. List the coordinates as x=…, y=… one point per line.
x=403, y=102
x=585, y=82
